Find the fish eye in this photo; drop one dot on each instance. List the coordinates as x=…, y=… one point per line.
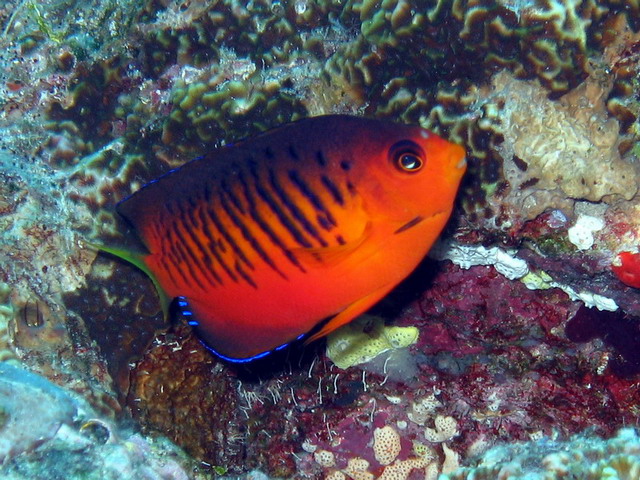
x=407, y=156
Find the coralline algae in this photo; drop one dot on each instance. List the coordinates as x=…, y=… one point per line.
x=580, y=457
x=33, y=411
x=46, y=432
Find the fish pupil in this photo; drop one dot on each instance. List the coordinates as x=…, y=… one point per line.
x=407, y=156
x=410, y=162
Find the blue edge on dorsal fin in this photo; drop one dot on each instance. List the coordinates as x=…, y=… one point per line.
x=183, y=306
x=156, y=180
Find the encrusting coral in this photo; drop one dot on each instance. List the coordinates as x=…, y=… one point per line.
x=365, y=338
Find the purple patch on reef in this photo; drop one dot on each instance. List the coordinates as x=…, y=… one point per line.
x=616, y=329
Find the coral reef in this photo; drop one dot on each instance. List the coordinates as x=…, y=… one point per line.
x=33, y=411
x=492, y=344
x=6, y=316
x=568, y=146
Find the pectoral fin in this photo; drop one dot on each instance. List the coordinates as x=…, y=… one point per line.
x=331, y=256
x=352, y=311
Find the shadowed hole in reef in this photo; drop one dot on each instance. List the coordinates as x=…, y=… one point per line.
x=617, y=330
x=121, y=312
x=407, y=291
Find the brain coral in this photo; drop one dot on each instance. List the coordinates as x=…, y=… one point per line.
x=208, y=73
x=219, y=105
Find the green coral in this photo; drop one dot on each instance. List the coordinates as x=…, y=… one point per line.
x=215, y=72
x=44, y=26
x=365, y=338
x=215, y=108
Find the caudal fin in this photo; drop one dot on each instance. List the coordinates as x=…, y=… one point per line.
x=136, y=259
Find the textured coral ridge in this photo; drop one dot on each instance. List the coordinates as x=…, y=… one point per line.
x=210, y=73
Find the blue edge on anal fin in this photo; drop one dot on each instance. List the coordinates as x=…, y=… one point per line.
x=183, y=306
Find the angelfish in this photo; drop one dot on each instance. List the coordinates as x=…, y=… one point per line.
x=307, y=225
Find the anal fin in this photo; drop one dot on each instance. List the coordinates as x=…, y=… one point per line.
x=352, y=311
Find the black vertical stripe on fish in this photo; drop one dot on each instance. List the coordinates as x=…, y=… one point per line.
x=215, y=246
x=273, y=205
x=226, y=207
x=246, y=232
x=172, y=239
x=245, y=275
x=195, y=222
x=196, y=262
x=186, y=252
x=411, y=223
x=264, y=226
x=306, y=190
x=333, y=190
x=201, y=262
x=177, y=256
x=293, y=153
x=324, y=222
x=163, y=260
x=192, y=224
x=232, y=196
x=178, y=240
x=209, y=263
x=294, y=210
x=160, y=235
x=172, y=258
x=214, y=251
x=248, y=236
x=320, y=158
x=268, y=152
x=225, y=234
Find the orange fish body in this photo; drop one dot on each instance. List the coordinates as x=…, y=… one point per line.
x=264, y=239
